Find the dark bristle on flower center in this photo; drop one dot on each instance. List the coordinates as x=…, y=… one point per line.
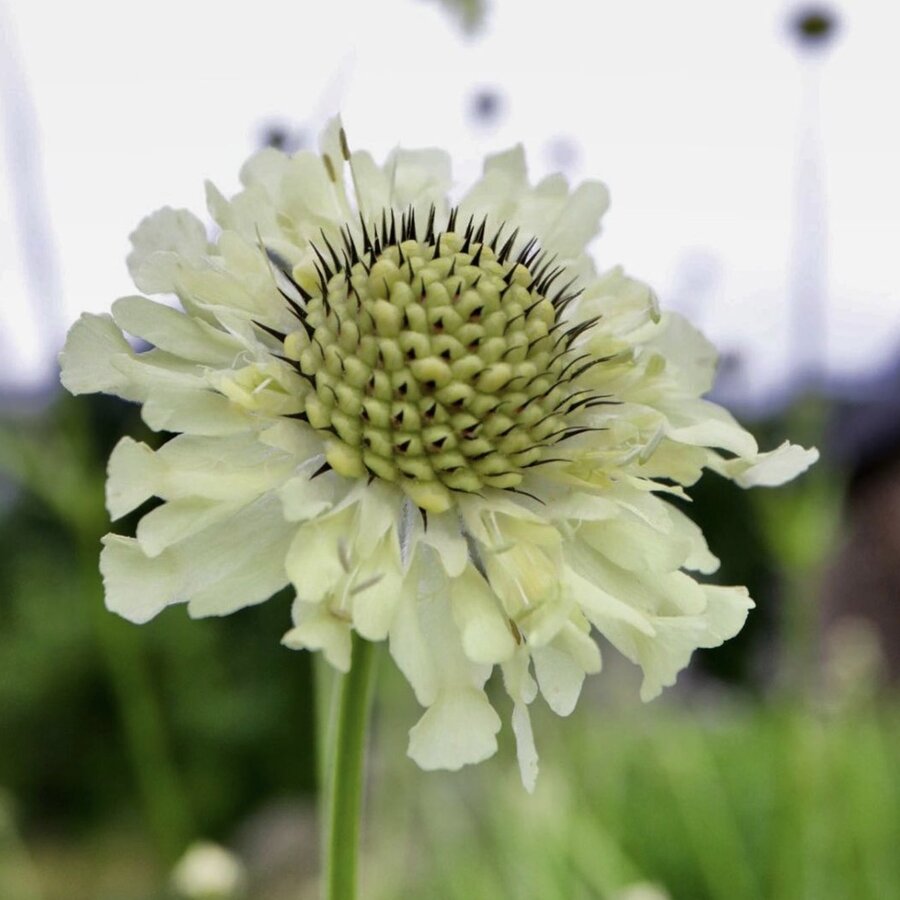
x=438, y=359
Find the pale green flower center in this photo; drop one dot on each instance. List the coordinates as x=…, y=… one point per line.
x=441, y=362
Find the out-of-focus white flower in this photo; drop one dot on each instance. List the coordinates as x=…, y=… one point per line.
x=208, y=871
x=441, y=425
x=642, y=891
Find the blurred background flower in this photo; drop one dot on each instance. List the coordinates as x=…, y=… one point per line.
x=208, y=871
x=753, y=172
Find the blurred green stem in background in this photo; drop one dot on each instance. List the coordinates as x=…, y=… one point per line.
x=345, y=763
x=800, y=522
x=58, y=468
x=143, y=727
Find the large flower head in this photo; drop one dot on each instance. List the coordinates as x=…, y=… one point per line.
x=436, y=421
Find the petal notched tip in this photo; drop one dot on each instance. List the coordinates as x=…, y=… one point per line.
x=458, y=729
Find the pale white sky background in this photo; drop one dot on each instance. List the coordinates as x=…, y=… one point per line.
x=691, y=112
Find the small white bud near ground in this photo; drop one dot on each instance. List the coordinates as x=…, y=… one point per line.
x=208, y=871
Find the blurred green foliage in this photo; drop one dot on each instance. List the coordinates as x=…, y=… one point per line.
x=188, y=723
x=733, y=801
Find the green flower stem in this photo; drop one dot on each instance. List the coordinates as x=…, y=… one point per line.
x=343, y=799
x=327, y=683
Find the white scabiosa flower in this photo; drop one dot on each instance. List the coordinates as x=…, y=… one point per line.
x=438, y=423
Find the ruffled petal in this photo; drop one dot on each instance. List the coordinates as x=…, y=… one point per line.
x=560, y=672
x=485, y=632
x=319, y=556
x=161, y=245
x=769, y=469
x=231, y=468
x=377, y=587
x=86, y=361
x=458, y=729
x=136, y=586
x=526, y=752
x=176, y=520
x=194, y=412
x=176, y=333
x=317, y=628
x=522, y=688
x=235, y=561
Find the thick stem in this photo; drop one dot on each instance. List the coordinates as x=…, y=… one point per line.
x=345, y=784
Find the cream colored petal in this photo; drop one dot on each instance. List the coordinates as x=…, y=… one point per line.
x=699, y=558
x=525, y=576
x=510, y=163
x=315, y=628
x=542, y=623
x=156, y=370
x=178, y=519
x=134, y=476
x=86, y=361
x=370, y=185
x=376, y=589
x=689, y=356
x=661, y=657
x=457, y=730
x=219, y=208
x=136, y=587
x=294, y=438
x=379, y=510
x=565, y=503
x=239, y=281
x=770, y=469
x=631, y=543
x=419, y=178
x=175, y=332
x=559, y=677
x=424, y=639
x=319, y=556
x=162, y=244
x=194, y=412
x=228, y=467
x=498, y=191
x=307, y=195
x=232, y=468
x=526, y=752
x=444, y=535
x=265, y=168
x=235, y=562
x=522, y=688
x=577, y=642
x=674, y=461
x=578, y=222
x=411, y=650
x=652, y=593
x=305, y=497
x=676, y=637
x=601, y=608
x=726, y=611
x=485, y=631
x=705, y=424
